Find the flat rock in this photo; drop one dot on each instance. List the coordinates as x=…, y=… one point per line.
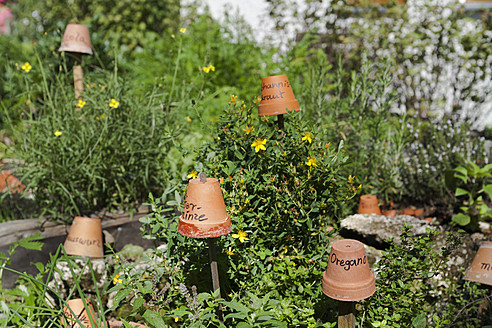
x=376, y=230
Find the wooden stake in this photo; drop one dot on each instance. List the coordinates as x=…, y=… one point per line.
x=280, y=121
x=346, y=314
x=78, y=76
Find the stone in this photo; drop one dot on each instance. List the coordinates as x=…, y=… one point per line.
x=376, y=230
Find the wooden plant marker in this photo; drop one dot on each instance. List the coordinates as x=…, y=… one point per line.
x=346, y=314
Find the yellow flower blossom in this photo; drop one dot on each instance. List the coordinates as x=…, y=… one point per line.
x=307, y=136
x=360, y=186
x=312, y=162
x=26, y=67
x=259, y=144
x=241, y=235
x=114, y=103
x=230, y=251
x=175, y=319
x=116, y=280
x=209, y=68
x=81, y=104
x=265, y=118
x=58, y=133
x=233, y=99
x=248, y=129
x=192, y=175
x=351, y=178
x=188, y=119
x=328, y=145
x=257, y=99
x=182, y=30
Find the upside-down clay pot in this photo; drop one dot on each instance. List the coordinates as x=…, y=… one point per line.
x=276, y=96
x=348, y=277
x=204, y=212
x=78, y=312
x=481, y=267
x=369, y=205
x=85, y=238
x=76, y=39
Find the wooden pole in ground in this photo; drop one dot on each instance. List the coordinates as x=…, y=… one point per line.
x=78, y=76
x=346, y=314
x=213, y=260
x=280, y=122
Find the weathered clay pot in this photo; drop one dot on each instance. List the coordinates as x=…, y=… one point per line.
x=76, y=39
x=348, y=277
x=481, y=267
x=276, y=96
x=78, y=311
x=85, y=238
x=204, y=212
x=389, y=213
x=369, y=205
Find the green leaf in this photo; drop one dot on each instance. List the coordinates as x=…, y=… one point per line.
x=488, y=190
x=120, y=295
x=30, y=243
x=461, y=192
x=461, y=219
x=237, y=306
x=154, y=319
x=419, y=321
x=137, y=304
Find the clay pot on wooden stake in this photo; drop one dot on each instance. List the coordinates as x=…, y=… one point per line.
x=276, y=98
x=85, y=238
x=348, y=278
x=481, y=267
x=369, y=204
x=75, y=310
x=76, y=40
x=204, y=212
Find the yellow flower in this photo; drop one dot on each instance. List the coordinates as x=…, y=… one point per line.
x=248, y=129
x=307, y=136
x=233, y=99
x=176, y=318
x=81, y=104
x=188, y=119
x=26, y=67
x=192, y=175
x=182, y=30
x=257, y=99
x=209, y=68
x=259, y=144
x=58, y=133
x=242, y=180
x=241, y=235
x=230, y=251
x=116, y=280
x=114, y=103
x=312, y=162
x=360, y=186
x=351, y=178
x=98, y=117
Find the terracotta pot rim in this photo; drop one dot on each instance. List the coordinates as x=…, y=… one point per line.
x=278, y=108
x=211, y=230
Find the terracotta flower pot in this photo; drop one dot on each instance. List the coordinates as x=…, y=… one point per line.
x=369, y=205
x=389, y=213
x=481, y=267
x=78, y=312
x=85, y=238
x=408, y=211
x=276, y=96
x=204, y=212
x=418, y=212
x=76, y=39
x=348, y=277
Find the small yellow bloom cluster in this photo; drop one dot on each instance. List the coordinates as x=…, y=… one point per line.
x=182, y=30
x=230, y=251
x=188, y=119
x=114, y=103
x=241, y=235
x=192, y=175
x=351, y=178
x=26, y=67
x=248, y=129
x=81, y=104
x=312, y=162
x=116, y=280
x=258, y=144
x=98, y=117
x=257, y=99
x=233, y=99
x=58, y=133
x=307, y=136
x=209, y=68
